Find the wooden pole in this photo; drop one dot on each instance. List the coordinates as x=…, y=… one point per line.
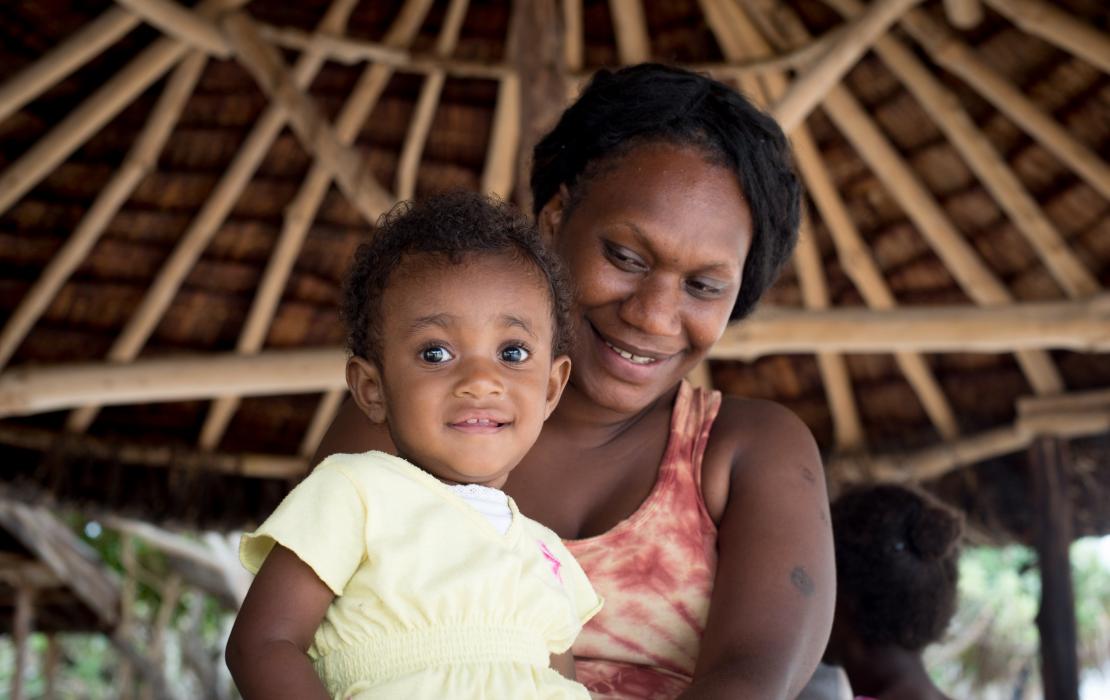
x=957, y=58
x=348, y=168
x=737, y=35
x=250, y=465
x=64, y=58
x=139, y=162
x=964, y=14
x=504, y=142
x=23, y=622
x=421, y=123
x=1052, y=536
x=325, y=413
x=573, y=33
x=633, y=42
x=812, y=85
x=537, y=53
x=302, y=211
x=70, y=133
x=1024, y=212
x=1058, y=27
x=181, y=23
x=50, y=667
x=206, y=223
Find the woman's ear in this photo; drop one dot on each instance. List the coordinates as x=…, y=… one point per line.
x=560, y=373
x=365, y=382
x=551, y=216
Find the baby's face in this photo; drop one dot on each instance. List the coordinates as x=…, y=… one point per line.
x=466, y=358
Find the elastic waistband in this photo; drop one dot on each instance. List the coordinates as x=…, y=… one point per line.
x=380, y=659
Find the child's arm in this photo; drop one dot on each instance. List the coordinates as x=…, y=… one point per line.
x=274, y=628
x=564, y=664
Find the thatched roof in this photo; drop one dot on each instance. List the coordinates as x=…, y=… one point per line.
x=154, y=201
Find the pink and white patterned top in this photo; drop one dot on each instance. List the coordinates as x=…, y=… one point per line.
x=655, y=570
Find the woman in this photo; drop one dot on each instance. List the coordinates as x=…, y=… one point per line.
x=896, y=559
x=703, y=522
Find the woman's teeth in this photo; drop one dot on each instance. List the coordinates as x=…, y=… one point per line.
x=634, y=359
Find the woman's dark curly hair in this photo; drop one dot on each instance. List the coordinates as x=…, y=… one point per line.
x=447, y=228
x=651, y=103
x=896, y=556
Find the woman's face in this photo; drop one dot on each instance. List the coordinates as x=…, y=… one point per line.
x=656, y=246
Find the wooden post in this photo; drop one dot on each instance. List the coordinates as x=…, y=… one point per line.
x=50, y=666
x=21, y=631
x=1052, y=535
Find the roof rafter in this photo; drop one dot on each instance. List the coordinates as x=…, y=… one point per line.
x=181, y=23
x=1057, y=27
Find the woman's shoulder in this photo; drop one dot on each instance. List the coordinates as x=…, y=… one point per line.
x=752, y=427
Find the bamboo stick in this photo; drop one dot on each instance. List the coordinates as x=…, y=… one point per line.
x=181, y=23
x=22, y=625
x=806, y=92
x=498, y=174
x=325, y=413
x=64, y=58
x=302, y=211
x=1073, y=325
x=24, y=391
x=139, y=162
x=257, y=466
x=573, y=32
x=93, y=113
x=930, y=219
x=1058, y=27
x=208, y=220
x=633, y=42
x=413, y=148
x=315, y=133
x=957, y=58
x=944, y=107
x=350, y=50
x=964, y=14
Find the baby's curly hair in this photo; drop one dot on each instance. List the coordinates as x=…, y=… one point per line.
x=896, y=556
x=451, y=227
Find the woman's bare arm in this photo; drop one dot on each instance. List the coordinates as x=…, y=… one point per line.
x=266, y=652
x=773, y=597
x=352, y=432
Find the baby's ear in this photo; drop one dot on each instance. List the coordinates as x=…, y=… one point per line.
x=560, y=373
x=365, y=382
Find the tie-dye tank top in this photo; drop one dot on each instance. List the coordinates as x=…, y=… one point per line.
x=655, y=571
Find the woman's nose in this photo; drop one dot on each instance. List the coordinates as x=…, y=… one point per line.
x=478, y=378
x=653, y=307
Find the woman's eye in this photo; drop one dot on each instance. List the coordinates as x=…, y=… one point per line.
x=703, y=289
x=435, y=355
x=624, y=259
x=514, y=354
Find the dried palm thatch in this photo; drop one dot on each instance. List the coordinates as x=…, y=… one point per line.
x=181, y=187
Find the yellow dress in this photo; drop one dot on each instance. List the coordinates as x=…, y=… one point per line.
x=431, y=600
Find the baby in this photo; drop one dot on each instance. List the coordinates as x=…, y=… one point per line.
x=414, y=576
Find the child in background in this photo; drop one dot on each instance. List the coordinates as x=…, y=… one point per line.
x=413, y=576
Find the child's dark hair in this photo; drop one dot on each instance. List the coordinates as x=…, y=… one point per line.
x=896, y=565
x=452, y=227
x=651, y=103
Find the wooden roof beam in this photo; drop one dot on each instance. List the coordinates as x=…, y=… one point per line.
x=304, y=206
x=421, y=122
x=77, y=50
x=140, y=160
x=1073, y=325
x=1064, y=415
x=1024, y=212
x=964, y=14
x=959, y=59
x=811, y=86
x=630, y=25
x=312, y=128
x=207, y=221
x=181, y=23
x=1059, y=28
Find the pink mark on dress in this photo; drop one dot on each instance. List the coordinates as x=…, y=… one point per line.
x=555, y=563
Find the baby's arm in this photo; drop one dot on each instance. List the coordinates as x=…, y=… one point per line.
x=564, y=664
x=266, y=652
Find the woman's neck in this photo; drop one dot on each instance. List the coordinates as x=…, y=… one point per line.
x=593, y=425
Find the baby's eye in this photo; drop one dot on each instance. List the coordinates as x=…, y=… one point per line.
x=435, y=354
x=514, y=354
